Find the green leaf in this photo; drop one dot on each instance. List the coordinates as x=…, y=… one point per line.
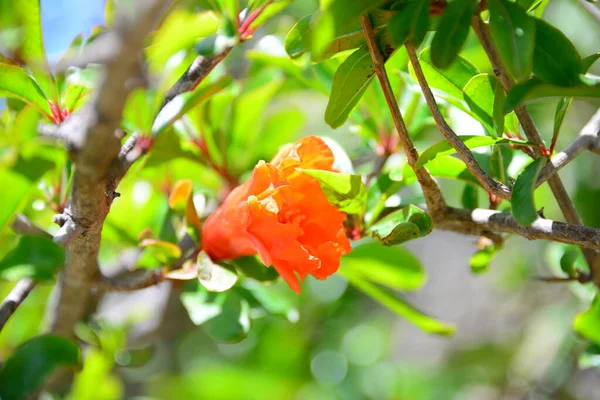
x=442, y=167
x=184, y=102
x=588, y=61
x=480, y=261
x=513, y=32
x=180, y=31
x=451, y=80
x=410, y=23
x=452, y=32
x=253, y=268
x=35, y=256
x=379, y=192
x=233, y=323
x=169, y=146
x=215, y=277
x=165, y=252
x=248, y=120
x=498, y=110
x=568, y=259
x=523, y=204
x=479, y=94
x=534, y=89
x=561, y=110
x=389, y=299
x=345, y=191
x=32, y=50
x=335, y=18
x=299, y=39
x=16, y=82
x=590, y=357
x=444, y=148
x=470, y=197
x=403, y=225
x=350, y=81
x=587, y=323
x=21, y=178
x=555, y=59
x=394, y=267
x=25, y=371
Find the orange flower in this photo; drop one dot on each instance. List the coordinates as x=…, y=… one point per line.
x=282, y=215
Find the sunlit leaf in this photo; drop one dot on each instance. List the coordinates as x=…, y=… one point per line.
x=399, y=306
x=394, y=267
x=214, y=277
x=15, y=82
x=444, y=148
x=480, y=261
x=587, y=323
x=165, y=252
x=35, y=256
x=403, y=225
x=345, y=191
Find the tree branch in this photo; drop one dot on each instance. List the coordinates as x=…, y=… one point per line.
x=489, y=183
x=24, y=286
x=558, y=189
x=92, y=192
x=433, y=195
x=200, y=68
x=588, y=139
x=476, y=221
x=14, y=299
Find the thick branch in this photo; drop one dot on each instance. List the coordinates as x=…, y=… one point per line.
x=491, y=185
x=92, y=191
x=432, y=192
x=480, y=220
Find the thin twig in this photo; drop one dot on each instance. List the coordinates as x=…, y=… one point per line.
x=592, y=9
x=195, y=74
x=19, y=293
x=433, y=195
x=14, y=299
x=129, y=284
x=558, y=189
x=489, y=183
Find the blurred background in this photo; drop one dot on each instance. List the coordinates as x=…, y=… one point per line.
x=513, y=340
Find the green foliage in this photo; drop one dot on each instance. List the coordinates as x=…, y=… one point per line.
x=523, y=203
x=35, y=256
x=401, y=226
x=514, y=33
x=444, y=148
x=347, y=192
x=24, y=372
x=330, y=341
x=452, y=32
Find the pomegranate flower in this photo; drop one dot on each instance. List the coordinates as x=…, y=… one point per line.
x=282, y=215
